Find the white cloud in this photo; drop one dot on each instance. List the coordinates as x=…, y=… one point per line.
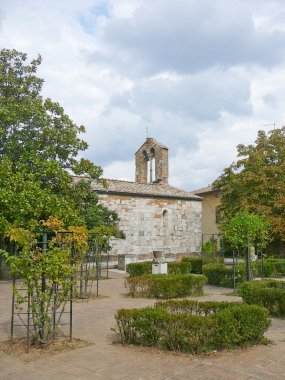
x=192, y=36
x=125, y=170
x=193, y=96
x=204, y=76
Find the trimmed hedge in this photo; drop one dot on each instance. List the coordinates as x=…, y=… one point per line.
x=222, y=275
x=271, y=267
x=179, y=325
x=139, y=269
x=198, y=262
x=144, y=268
x=165, y=286
x=193, y=307
x=179, y=268
x=269, y=294
x=241, y=325
x=280, y=267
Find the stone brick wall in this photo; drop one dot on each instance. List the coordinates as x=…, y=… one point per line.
x=149, y=224
x=161, y=168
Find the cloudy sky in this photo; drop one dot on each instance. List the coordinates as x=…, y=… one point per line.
x=203, y=76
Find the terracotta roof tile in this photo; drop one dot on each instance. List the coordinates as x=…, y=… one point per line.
x=204, y=190
x=140, y=189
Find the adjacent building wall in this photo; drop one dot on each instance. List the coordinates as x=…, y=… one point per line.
x=150, y=224
x=210, y=204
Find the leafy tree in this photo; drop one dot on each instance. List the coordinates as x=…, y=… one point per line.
x=34, y=130
x=39, y=149
x=47, y=265
x=244, y=228
x=255, y=183
x=244, y=231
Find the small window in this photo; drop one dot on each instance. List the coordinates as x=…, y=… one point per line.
x=218, y=214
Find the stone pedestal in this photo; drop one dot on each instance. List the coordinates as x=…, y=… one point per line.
x=159, y=268
x=125, y=259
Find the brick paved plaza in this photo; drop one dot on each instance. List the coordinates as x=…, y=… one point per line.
x=93, y=321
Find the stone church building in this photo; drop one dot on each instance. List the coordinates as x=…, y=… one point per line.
x=153, y=215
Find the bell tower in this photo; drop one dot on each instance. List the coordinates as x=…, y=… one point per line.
x=152, y=162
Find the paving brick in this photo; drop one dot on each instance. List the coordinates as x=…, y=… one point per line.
x=93, y=321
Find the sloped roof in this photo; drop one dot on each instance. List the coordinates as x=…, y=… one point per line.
x=204, y=190
x=152, y=141
x=157, y=190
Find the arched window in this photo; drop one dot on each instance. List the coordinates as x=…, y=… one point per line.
x=165, y=218
x=149, y=157
x=152, y=165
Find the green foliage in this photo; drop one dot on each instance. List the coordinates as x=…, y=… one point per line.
x=39, y=148
x=255, y=182
x=165, y=286
x=218, y=274
x=143, y=268
x=193, y=307
x=48, y=263
x=207, y=246
x=211, y=246
x=221, y=275
x=198, y=262
x=34, y=130
x=140, y=326
x=244, y=228
x=139, y=269
x=269, y=294
x=48, y=275
x=191, y=326
x=241, y=325
x=279, y=266
x=188, y=333
x=25, y=201
x=179, y=268
x=270, y=267
x=156, y=327
x=124, y=326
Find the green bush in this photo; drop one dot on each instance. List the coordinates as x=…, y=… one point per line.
x=270, y=267
x=198, y=262
x=140, y=326
x=218, y=274
x=144, y=268
x=165, y=286
x=124, y=325
x=193, y=307
x=280, y=266
x=241, y=325
x=269, y=294
x=179, y=268
x=180, y=325
x=188, y=333
x=213, y=260
x=139, y=269
x=222, y=275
